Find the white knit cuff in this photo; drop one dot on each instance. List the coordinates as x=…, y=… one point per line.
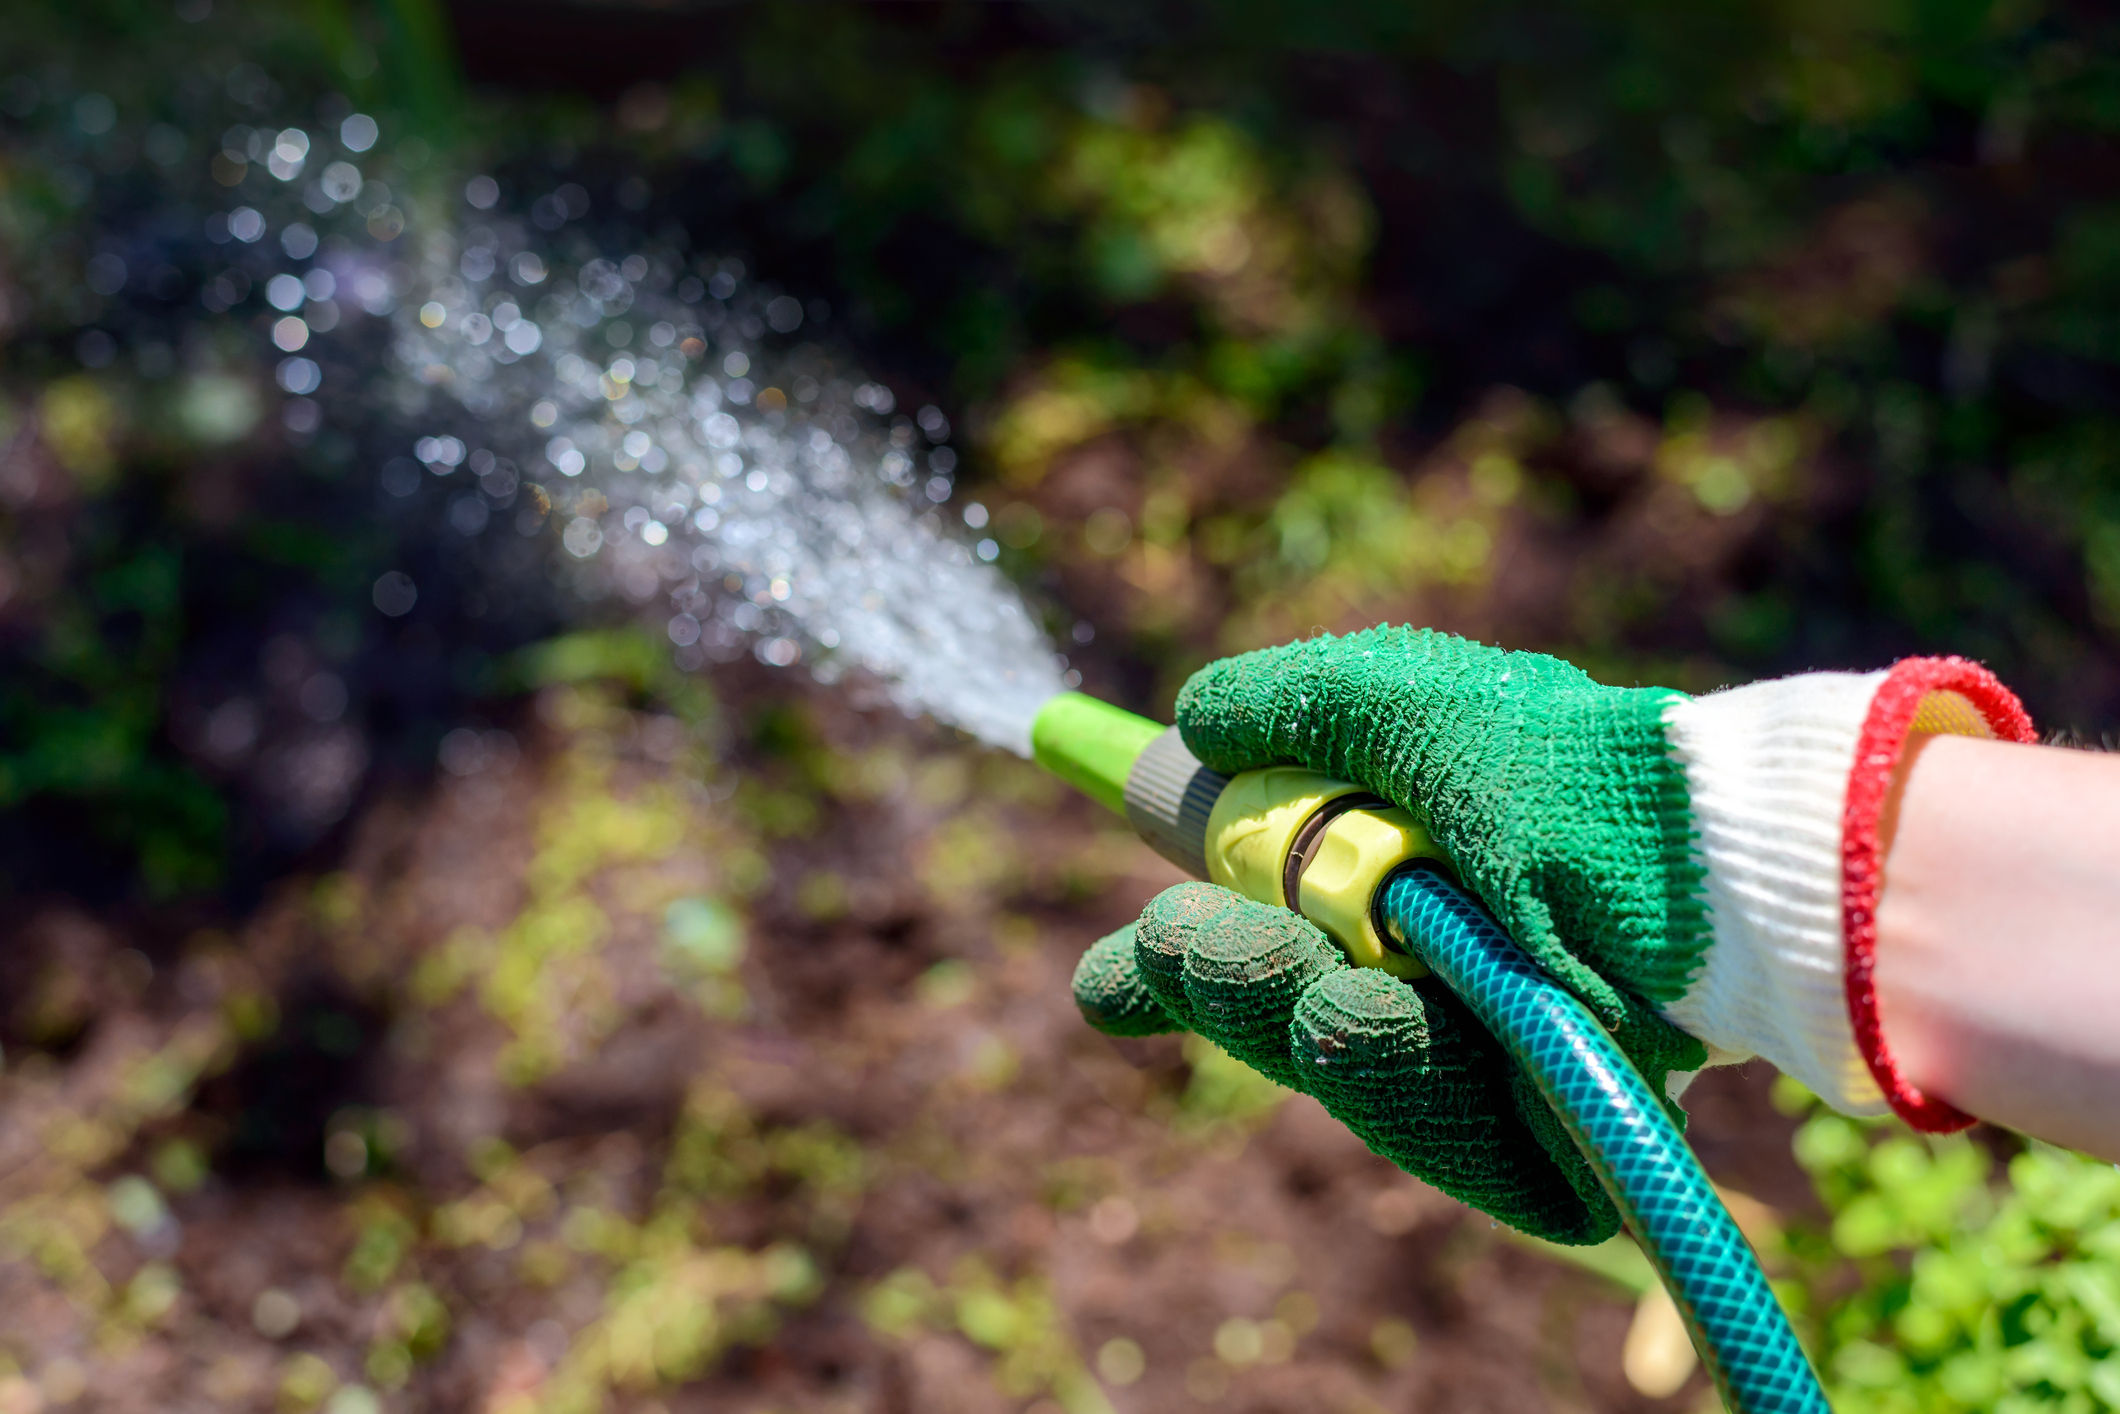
x=1767, y=770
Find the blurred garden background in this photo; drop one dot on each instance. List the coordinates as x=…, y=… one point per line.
x=424, y=987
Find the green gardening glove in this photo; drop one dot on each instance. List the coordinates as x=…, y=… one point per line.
x=1558, y=802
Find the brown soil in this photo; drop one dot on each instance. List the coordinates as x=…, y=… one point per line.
x=901, y=1010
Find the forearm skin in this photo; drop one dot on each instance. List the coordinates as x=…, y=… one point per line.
x=1998, y=934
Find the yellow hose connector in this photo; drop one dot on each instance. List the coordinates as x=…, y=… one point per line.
x=1254, y=826
x=1281, y=835
x=1257, y=841
x=1354, y=855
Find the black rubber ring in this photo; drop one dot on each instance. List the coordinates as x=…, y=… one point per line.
x=1311, y=832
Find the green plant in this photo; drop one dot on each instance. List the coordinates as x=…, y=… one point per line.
x=1969, y=1294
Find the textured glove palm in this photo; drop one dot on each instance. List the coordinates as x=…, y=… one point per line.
x=1558, y=802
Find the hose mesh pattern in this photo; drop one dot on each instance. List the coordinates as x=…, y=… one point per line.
x=1631, y=1144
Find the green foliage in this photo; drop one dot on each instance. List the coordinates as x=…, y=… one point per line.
x=81, y=719
x=1341, y=358
x=1969, y=1295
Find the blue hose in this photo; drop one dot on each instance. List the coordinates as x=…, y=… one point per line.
x=1631, y=1144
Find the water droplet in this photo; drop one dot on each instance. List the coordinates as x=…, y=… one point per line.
x=357, y=133
x=395, y=594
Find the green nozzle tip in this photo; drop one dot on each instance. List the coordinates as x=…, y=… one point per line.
x=1091, y=745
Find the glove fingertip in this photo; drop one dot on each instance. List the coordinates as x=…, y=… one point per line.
x=1168, y=925
x=1314, y=702
x=1243, y=973
x=1110, y=992
x=1403, y=1066
x=1355, y=1034
x=1225, y=711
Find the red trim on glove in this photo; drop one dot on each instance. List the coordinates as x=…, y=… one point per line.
x=1884, y=733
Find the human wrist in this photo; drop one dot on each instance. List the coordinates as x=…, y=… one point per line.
x=1790, y=780
x=1913, y=945
x=1997, y=931
x=1921, y=697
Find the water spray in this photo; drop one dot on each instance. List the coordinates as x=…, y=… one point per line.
x=1366, y=873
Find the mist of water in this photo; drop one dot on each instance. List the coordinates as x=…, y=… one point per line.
x=524, y=361
x=699, y=456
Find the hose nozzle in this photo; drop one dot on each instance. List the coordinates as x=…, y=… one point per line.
x=1091, y=745
x=1281, y=835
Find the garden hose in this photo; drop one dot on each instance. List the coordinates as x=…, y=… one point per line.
x=1639, y=1157
x=1370, y=877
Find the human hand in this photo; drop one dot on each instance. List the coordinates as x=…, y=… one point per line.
x=1403, y=1064
x=1696, y=870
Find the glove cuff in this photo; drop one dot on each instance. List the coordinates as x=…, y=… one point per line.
x=1938, y=697
x=1787, y=779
